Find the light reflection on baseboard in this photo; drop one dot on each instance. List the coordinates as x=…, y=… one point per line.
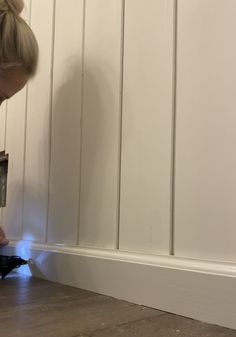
x=23, y=250
x=35, y=260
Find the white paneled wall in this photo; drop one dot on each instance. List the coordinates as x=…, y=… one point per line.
x=38, y=127
x=14, y=146
x=101, y=124
x=66, y=122
x=205, y=212
x=95, y=156
x=147, y=126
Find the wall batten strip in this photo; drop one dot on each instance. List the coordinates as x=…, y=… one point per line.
x=82, y=111
x=173, y=151
x=51, y=107
x=121, y=119
x=24, y=159
x=25, y=135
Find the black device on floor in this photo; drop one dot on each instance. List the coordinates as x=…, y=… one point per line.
x=8, y=263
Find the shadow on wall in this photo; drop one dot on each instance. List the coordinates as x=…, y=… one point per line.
x=65, y=171
x=66, y=161
x=97, y=157
x=65, y=143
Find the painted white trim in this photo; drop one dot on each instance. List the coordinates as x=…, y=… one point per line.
x=170, y=262
x=203, y=290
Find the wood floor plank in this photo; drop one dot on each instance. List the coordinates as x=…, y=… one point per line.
x=164, y=326
x=33, y=308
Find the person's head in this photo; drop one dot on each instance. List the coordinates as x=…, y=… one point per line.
x=18, y=49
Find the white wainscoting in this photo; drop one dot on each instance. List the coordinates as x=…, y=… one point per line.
x=125, y=141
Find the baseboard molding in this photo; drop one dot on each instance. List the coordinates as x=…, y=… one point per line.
x=203, y=290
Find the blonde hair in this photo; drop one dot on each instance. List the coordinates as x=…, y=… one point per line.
x=18, y=45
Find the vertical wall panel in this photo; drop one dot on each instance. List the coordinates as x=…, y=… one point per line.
x=101, y=124
x=205, y=212
x=38, y=127
x=147, y=126
x=15, y=143
x=65, y=150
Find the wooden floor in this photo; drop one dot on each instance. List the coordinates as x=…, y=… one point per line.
x=31, y=307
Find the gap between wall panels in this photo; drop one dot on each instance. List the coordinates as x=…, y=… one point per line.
x=82, y=111
x=121, y=118
x=51, y=107
x=173, y=153
x=24, y=154
x=24, y=161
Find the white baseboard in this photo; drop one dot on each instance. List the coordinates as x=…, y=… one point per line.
x=202, y=290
